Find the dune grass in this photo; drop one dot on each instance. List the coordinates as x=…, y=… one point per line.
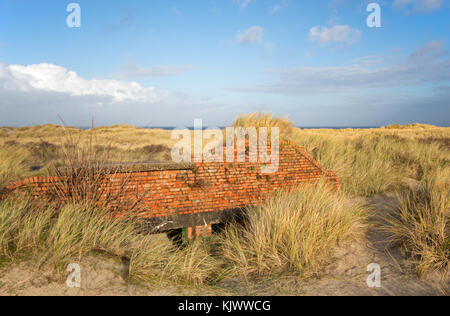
x=421, y=224
x=293, y=232
x=58, y=237
x=259, y=120
x=13, y=164
x=79, y=220
x=159, y=261
x=81, y=171
x=377, y=161
x=47, y=234
x=77, y=231
x=42, y=145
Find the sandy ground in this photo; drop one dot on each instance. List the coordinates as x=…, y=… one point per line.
x=346, y=276
x=100, y=276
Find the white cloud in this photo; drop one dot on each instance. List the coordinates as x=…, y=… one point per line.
x=431, y=50
x=369, y=91
x=52, y=78
x=418, y=5
x=36, y=94
x=252, y=35
x=243, y=3
x=429, y=64
x=276, y=8
x=342, y=34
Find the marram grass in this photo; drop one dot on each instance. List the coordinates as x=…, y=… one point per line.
x=294, y=232
x=159, y=261
x=421, y=224
x=57, y=237
x=259, y=120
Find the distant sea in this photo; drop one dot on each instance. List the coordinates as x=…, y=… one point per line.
x=170, y=128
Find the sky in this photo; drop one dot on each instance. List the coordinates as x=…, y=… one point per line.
x=167, y=62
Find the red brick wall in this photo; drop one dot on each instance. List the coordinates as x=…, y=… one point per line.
x=208, y=186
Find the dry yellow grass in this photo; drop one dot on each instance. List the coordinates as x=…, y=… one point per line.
x=160, y=261
x=59, y=236
x=12, y=164
x=125, y=137
x=286, y=234
x=293, y=232
x=259, y=120
x=421, y=224
x=376, y=161
x=56, y=236
x=39, y=147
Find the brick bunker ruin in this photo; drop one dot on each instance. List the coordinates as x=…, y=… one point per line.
x=195, y=196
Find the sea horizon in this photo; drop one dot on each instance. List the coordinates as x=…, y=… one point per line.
x=168, y=128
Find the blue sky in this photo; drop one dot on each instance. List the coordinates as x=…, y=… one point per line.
x=166, y=63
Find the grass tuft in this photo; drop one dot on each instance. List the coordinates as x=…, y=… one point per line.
x=421, y=224
x=58, y=236
x=12, y=164
x=259, y=120
x=293, y=232
x=77, y=231
x=370, y=162
x=86, y=175
x=164, y=262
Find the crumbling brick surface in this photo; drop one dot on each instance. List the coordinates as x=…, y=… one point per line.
x=205, y=187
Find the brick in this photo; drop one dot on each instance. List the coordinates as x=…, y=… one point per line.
x=209, y=187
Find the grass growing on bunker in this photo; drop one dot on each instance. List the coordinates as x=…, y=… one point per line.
x=285, y=235
x=84, y=174
x=79, y=219
x=258, y=120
